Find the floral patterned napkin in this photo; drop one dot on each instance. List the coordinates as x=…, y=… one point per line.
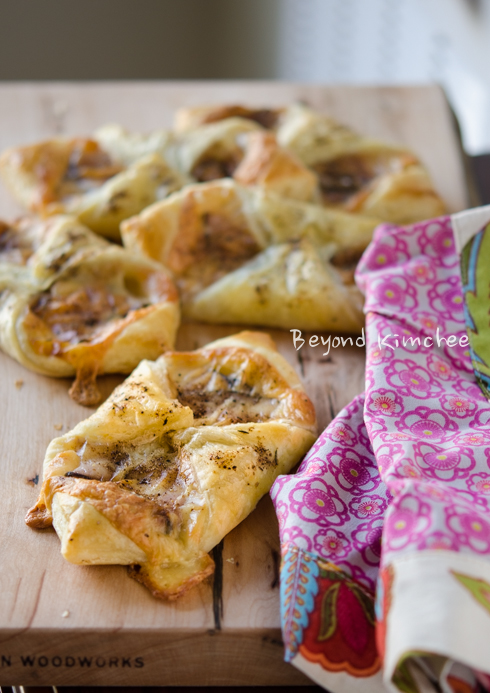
x=385, y=528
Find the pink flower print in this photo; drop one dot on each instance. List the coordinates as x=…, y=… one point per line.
x=400, y=523
x=384, y=404
x=314, y=501
x=414, y=381
x=440, y=368
x=434, y=491
x=313, y=469
x=457, y=405
x=430, y=430
x=472, y=439
x=381, y=256
x=353, y=472
x=479, y=483
x=366, y=538
x=341, y=433
x=406, y=521
x=453, y=300
x=428, y=424
x=319, y=502
x=470, y=528
x=389, y=292
x=384, y=463
x=375, y=355
x=397, y=435
x=408, y=471
x=421, y=270
x=331, y=544
x=443, y=463
x=367, y=506
x=476, y=528
x=443, y=243
x=427, y=321
x=375, y=427
x=373, y=538
x=446, y=298
x=461, y=355
x=295, y=535
x=394, y=292
x=482, y=418
x=442, y=460
x=483, y=486
x=408, y=378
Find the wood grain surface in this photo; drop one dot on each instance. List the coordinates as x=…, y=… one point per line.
x=71, y=625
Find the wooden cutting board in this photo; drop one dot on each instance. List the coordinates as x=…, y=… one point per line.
x=70, y=625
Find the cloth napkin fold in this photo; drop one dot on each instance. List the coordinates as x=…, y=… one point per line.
x=385, y=528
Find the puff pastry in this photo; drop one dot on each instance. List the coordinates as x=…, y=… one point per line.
x=189, y=118
x=101, y=181
x=359, y=174
x=242, y=255
x=352, y=172
x=178, y=455
x=74, y=304
x=239, y=148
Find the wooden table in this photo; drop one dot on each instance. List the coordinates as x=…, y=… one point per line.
x=71, y=625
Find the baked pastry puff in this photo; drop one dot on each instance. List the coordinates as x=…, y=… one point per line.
x=99, y=182
x=190, y=117
x=74, y=304
x=178, y=455
x=354, y=173
x=359, y=174
x=245, y=256
x=241, y=149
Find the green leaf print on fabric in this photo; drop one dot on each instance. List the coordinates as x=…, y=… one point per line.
x=480, y=589
x=475, y=275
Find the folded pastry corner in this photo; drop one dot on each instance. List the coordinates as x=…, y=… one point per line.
x=347, y=170
x=74, y=304
x=101, y=180
x=357, y=173
x=247, y=256
x=178, y=455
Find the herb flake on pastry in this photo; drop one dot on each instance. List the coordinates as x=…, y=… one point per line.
x=82, y=306
x=281, y=260
x=360, y=174
x=79, y=176
x=239, y=148
x=351, y=172
x=178, y=455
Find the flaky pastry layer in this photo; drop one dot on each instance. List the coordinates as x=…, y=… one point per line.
x=177, y=456
x=74, y=304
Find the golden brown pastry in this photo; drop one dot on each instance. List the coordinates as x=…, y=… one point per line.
x=239, y=148
x=190, y=118
x=101, y=183
x=359, y=174
x=74, y=304
x=354, y=173
x=242, y=255
x=274, y=169
x=179, y=454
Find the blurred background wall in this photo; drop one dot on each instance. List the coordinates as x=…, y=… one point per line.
x=323, y=41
